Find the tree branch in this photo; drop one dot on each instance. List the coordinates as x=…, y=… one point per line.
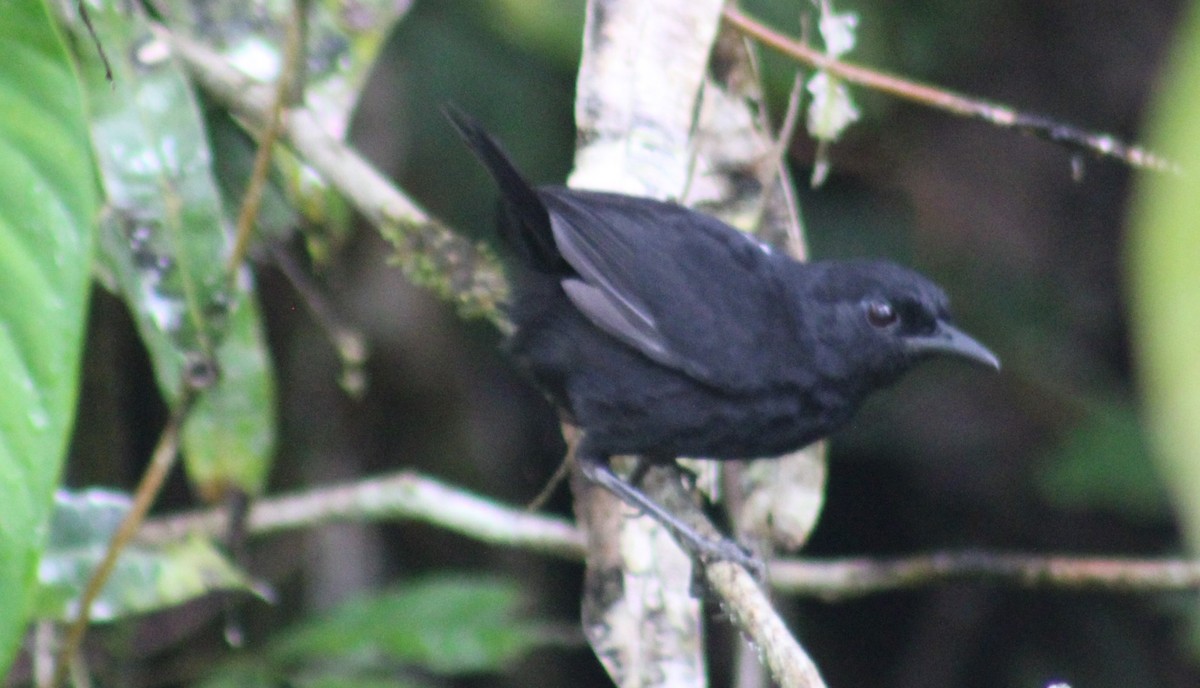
x=409, y=496
x=163, y=458
x=1098, y=144
x=401, y=496
x=428, y=253
x=846, y=578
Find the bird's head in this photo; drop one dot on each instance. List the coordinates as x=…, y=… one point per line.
x=878, y=319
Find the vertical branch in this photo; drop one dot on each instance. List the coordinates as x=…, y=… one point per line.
x=161, y=463
x=288, y=89
x=639, y=84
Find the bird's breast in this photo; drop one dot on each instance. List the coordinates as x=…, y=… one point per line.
x=628, y=403
x=686, y=419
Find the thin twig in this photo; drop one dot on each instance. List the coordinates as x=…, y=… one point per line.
x=161, y=462
x=1101, y=145
x=349, y=343
x=560, y=474
x=81, y=7
x=856, y=577
x=755, y=615
x=796, y=246
x=739, y=591
x=411, y=496
x=399, y=496
x=45, y=638
x=252, y=199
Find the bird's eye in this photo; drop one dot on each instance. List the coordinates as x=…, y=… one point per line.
x=881, y=314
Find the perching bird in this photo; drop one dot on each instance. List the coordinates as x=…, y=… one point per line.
x=663, y=332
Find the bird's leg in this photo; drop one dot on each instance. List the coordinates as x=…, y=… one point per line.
x=595, y=467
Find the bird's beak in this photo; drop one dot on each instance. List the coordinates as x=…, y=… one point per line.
x=948, y=340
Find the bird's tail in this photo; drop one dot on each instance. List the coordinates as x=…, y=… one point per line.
x=525, y=224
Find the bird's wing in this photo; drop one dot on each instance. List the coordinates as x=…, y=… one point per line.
x=684, y=289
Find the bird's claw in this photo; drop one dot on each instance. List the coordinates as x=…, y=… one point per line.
x=712, y=551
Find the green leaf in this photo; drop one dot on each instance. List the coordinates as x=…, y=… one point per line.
x=47, y=214
x=229, y=436
x=447, y=625
x=444, y=625
x=355, y=681
x=165, y=245
x=165, y=240
x=145, y=579
x=1164, y=270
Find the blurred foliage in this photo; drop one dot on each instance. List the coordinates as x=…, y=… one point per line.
x=233, y=158
x=456, y=51
x=145, y=579
x=1164, y=260
x=917, y=39
x=550, y=28
x=47, y=214
x=443, y=625
x=343, y=43
x=1052, y=455
x=1104, y=463
x=165, y=245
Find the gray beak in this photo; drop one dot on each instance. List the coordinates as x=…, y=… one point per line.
x=948, y=340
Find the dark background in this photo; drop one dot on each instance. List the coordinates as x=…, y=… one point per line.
x=1048, y=456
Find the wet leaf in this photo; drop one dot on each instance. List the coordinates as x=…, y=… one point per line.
x=144, y=580
x=47, y=215
x=165, y=244
x=164, y=240
x=343, y=42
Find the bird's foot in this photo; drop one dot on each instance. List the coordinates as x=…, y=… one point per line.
x=704, y=550
x=726, y=550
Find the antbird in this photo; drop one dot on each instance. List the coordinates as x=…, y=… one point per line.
x=663, y=332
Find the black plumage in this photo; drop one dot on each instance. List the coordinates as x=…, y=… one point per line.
x=663, y=332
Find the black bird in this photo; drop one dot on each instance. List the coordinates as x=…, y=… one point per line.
x=663, y=332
